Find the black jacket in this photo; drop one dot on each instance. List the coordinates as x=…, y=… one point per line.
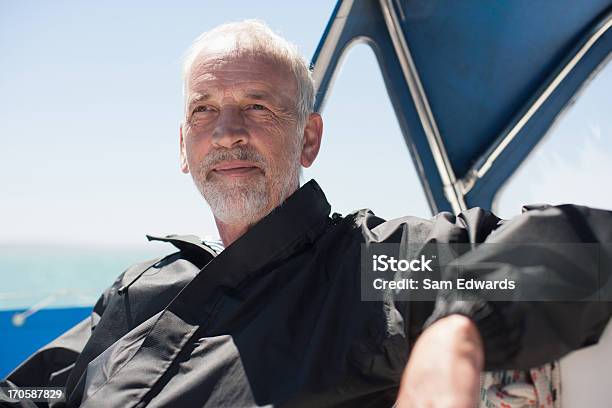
x=276, y=319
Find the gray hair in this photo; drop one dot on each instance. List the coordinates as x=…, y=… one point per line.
x=254, y=36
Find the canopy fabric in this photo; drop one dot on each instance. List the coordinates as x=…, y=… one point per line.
x=463, y=75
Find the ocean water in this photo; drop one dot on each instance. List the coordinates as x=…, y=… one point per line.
x=48, y=276
x=46, y=289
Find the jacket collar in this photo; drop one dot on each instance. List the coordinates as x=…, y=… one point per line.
x=186, y=243
x=295, y=223
x=305, y=208
x=299, y=217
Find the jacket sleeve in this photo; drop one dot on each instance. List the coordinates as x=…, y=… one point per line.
x=528, y=332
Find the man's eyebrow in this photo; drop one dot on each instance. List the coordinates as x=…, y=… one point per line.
x=198, y=97
x=260, y=95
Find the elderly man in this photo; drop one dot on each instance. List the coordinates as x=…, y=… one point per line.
x=277, y=318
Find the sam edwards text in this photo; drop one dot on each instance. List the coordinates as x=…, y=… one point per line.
x=461, y=284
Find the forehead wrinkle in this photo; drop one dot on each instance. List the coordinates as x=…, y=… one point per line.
x=223, y=65
x=225, y=75
x=227, y=71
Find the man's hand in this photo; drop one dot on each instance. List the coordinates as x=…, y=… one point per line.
x=444, y=367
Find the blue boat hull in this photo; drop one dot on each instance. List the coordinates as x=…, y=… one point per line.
x=18, y=342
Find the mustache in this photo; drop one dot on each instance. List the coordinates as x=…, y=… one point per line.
x=243, y=153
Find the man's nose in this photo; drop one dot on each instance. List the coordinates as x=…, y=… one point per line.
x=230, y=130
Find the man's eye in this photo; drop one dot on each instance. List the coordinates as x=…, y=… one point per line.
x=257, y=106
x=202, y=109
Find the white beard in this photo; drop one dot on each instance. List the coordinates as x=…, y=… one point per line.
x=246, y=201
x=236, y=203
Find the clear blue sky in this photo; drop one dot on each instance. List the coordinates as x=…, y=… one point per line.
x=90, y=108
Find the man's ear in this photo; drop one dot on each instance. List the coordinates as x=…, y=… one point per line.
x=313, y=131
x=184, y=164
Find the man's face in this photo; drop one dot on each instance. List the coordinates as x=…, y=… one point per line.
x=240, y=140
